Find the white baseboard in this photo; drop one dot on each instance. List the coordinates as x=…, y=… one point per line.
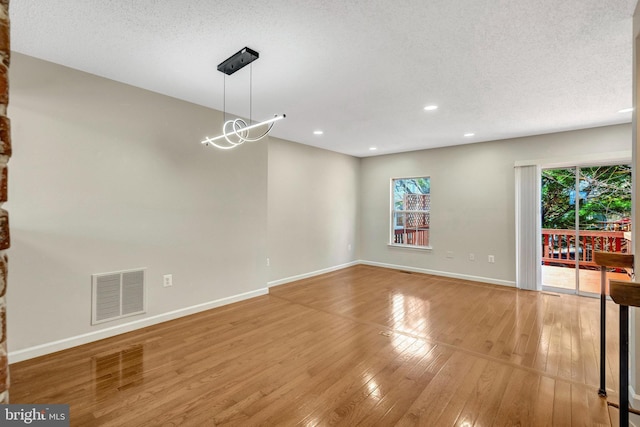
x=311, y=274
x=394, y=267
x=442, y=273
x=51, y=347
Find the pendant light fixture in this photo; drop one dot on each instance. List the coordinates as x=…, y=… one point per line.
x=237, y=131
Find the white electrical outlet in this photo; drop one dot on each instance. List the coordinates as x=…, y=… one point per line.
x=491, y=259
x=167, y=280
x=349, y=246
x=449, y=254
x=472, y=257
x=268, y=262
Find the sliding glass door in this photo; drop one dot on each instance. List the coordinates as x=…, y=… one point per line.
x=584, y=209
x=559, y=228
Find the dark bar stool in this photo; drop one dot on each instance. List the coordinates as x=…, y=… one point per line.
x=607, y=260
x=626, y=294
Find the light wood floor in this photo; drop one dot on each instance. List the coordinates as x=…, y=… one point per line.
x=360, y=346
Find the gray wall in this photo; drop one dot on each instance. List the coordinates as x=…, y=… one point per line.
x=107, y=177
x=472, y=199
x=313, y=201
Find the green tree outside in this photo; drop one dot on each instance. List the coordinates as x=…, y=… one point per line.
x=604, y=197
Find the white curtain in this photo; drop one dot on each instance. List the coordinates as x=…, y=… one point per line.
x=528, y=243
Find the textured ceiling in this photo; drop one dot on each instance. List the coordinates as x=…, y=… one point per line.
x=361, y=71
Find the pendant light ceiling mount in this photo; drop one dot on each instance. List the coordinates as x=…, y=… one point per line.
x=236, y=132
x=238, y=61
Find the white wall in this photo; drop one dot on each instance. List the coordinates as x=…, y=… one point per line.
x=105, y=177
x=472, y=199
x=313, y=201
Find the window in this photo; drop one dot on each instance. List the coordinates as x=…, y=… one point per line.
x=410, y=212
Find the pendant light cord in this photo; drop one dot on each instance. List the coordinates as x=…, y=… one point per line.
x=224, y=95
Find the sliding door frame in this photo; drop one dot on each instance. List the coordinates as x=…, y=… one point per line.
x=525, y=225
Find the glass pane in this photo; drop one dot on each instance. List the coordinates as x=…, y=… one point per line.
x=558, y=228
x=411, y=228
x=604, y=220
x=409, y=186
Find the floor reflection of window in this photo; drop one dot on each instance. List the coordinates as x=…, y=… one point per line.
x=374, y=389
x=409, y=315
x=119, y=370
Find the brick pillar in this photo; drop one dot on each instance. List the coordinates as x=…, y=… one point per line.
x=5, y=153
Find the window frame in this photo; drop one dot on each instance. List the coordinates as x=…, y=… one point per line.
x=393, y=212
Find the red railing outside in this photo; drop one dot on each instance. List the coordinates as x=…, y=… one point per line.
x=412, y=236
x=559, y=246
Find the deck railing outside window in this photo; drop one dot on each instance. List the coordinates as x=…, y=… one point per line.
x=559, y=246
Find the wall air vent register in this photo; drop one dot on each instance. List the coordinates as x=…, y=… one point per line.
x=118, y=294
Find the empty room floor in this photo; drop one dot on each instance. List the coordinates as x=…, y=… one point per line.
x=360, y=346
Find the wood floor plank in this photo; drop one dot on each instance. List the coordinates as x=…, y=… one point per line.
x=466, y=388
x=562, y=404
x=514, y=409
x=394, y=404
x=482, y=405
x=358, y=346
x=433, y=400
x=335, y=385
x=543, y=412
x=579, y=401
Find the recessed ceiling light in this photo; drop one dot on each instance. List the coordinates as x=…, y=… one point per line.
x=373, y=148
x=318, y=132
x=430, y=107
x=625, y=110
x=470, y=134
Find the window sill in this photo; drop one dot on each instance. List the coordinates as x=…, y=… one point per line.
x=419, y=248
